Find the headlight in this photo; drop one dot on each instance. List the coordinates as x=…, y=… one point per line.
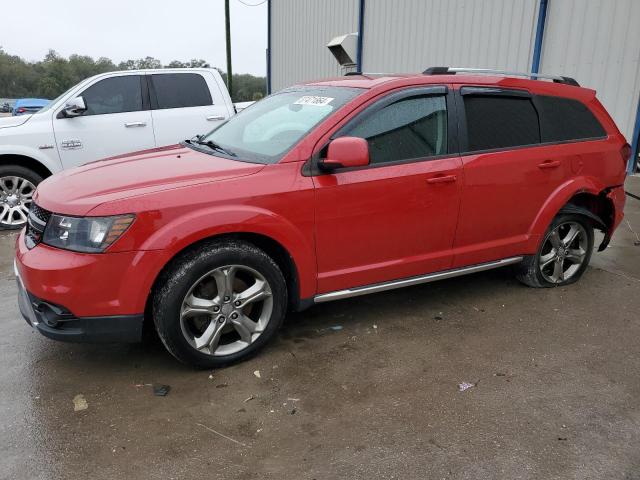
x=85, y=234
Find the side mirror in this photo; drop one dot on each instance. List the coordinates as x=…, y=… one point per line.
x=74, y=108
x=346, y=152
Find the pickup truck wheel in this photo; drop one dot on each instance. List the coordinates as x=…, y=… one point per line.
x=219, y=304
x=17, y=186
x=563, y=255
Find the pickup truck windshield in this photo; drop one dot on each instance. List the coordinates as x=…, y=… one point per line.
x=267, y=130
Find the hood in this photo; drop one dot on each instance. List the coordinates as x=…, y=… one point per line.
x=6, y=122
x=79, y=190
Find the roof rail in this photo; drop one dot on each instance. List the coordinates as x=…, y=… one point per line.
x=364, y=74
x=487, y=71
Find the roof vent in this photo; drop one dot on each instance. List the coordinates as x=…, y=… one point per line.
x=344, y=48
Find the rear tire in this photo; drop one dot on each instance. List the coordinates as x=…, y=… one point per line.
x=17, y=186
x=219, y=303
x=563, y=255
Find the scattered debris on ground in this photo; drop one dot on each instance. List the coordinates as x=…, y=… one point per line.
x=79, y=403
x=161, y=390
x=248, y=399
x=221, y=435
x=336, y=328
x=465, y=386
x=257, y=373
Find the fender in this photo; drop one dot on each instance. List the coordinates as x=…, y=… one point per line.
x=219, y=220
x=559, y=198
x=53, y=165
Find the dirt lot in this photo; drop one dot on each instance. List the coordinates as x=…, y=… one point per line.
x=361, y=389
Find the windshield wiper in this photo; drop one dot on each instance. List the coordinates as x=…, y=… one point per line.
x=214, y=146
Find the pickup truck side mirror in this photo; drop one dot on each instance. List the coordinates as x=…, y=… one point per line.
x=346, y=152
x=74, y=108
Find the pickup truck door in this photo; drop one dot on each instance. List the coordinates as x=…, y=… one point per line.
x=117, y=121
x=185, y=104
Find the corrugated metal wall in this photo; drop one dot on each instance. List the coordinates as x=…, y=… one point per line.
x=595, y=41
x=598, y=43
x=300, y=31
x=410, y=35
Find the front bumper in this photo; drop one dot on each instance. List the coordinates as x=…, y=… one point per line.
x=58, y=323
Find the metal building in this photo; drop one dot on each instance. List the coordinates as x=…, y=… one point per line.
x=597, y=42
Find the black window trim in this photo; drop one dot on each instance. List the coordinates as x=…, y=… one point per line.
x=460, y=113
x=153, y=96
x=311, y=167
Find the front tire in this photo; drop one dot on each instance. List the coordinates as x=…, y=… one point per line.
x=219, y=303
x=17, y=186
x=563, y=256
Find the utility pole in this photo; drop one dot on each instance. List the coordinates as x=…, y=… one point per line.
x=227, y=24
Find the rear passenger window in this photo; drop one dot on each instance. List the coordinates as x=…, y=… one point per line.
x=564, y=119
x=179, y=90
x=414, y=127
x=500, y=122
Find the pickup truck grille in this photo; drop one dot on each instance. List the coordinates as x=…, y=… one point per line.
x=36, y=223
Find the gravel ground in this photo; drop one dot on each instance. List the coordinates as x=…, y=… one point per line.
x=360, y=389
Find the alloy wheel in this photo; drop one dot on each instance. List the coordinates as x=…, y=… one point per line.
x=226, y=310
x=563, y=252
x=16, y=195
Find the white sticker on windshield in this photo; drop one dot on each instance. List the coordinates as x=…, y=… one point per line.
x=313, y=100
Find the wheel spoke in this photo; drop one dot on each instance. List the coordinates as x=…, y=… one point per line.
x=4, y=216
x=571, y=235
x=210, y=337
x=224, y=281
x=245, y=328
x=547, y=259
x=555, y=239
x=558, y=271
x=22, y=212
x=254, y=293
x=5, y=187
x=576, y=255
x=24, y=185
x=197, y=306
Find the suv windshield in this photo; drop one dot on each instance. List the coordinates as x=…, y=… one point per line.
x=267, y=130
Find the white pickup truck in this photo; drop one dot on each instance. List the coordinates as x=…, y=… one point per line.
x=105, y=115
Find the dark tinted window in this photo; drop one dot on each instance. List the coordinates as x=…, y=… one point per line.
x=114, y=95
x=500, y=122
x=565, y=119
x=414, y=127
x=177, y=90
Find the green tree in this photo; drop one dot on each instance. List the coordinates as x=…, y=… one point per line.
x=55, y=74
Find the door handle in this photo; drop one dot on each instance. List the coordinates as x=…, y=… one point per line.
x=549, y=164
x=135, y=124
x=214, y=118
x=442, y=179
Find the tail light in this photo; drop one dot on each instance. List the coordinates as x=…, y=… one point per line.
x=22, y=110
x=625, y=153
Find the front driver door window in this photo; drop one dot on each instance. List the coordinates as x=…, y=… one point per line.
x=117, y=121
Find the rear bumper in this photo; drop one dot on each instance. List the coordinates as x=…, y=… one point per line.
x=56, y=322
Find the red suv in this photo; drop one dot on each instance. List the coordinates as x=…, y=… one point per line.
x=323, y=191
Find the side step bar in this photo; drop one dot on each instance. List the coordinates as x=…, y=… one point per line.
x=406, y=282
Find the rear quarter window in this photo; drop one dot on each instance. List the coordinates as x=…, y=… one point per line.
x=180, y=90
x=565, y=119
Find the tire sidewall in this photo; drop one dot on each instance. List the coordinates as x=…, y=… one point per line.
x=558, y=220
x=186, y=271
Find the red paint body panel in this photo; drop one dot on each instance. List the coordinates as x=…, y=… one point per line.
x=342, y=229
